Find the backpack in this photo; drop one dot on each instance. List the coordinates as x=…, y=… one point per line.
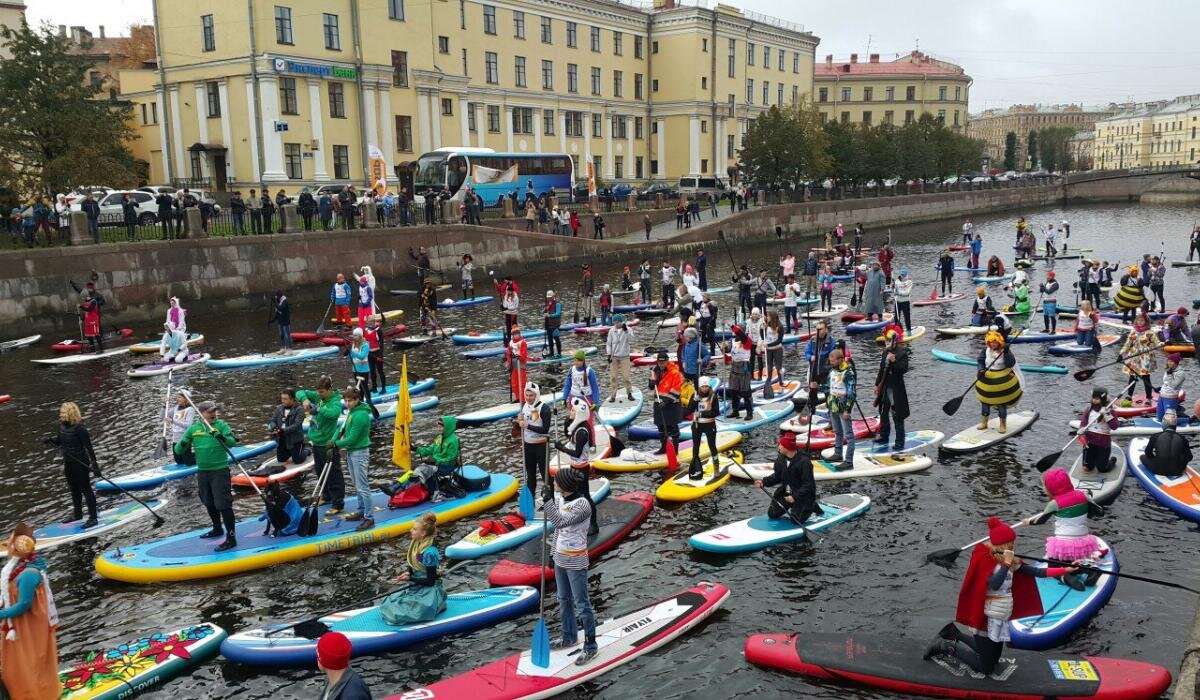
x=502, y=525
x=687, y=394
x=412, y=494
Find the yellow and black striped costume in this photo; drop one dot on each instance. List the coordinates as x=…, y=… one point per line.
x=1000, y=385
x=1130, y=295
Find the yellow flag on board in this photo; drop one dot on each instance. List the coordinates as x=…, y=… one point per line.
x=401, y=439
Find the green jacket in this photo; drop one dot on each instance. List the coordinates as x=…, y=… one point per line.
x=444, y=450
x=210, y=453
x=323, y=421
x=356, y=433
x=1021, y=297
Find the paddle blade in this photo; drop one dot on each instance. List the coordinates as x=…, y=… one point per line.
x=540, y=651
x=1048, y=461
x=617, y=446
x=951, y=407
x=1084, y=374
x=525, y=503
x=943, y=557
x=672, y=457
x=310, y=629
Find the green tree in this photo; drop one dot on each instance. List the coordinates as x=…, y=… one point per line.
x=1031, y=149
x=844, y=152
x=1010, y=151
x=784, y=146
x=877, y=151
x=1055, y=145
x=57, y=134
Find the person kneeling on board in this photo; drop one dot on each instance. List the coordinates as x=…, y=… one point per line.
x=212, y=461
x=287, y=430
x=424, y=598
x=1097, y=439
x=997, y=587
x=795, y=494
x=568, y=506
x=579, y=439
x=1072, y=540
x=1167, y=453
x=174, y=347
x=442, y=453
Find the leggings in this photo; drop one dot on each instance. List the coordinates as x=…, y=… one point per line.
x=904, y=308
x=510, y=320
x=774, y=363
x=826, y=299
x=375, y=358
x=705, y=431
x=535, y=463
x=791, y=319
x=1096, y=457
x=362, y=381
x=947, y=285
x=1145, y=384
x=1157, y=291
x=81, y=491
x=977, y=651
x=553, y=343
x=334, y=490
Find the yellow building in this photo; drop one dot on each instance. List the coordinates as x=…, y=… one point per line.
x=12, y=14
x=892, y=92
x=994, y=125
x=295, y=92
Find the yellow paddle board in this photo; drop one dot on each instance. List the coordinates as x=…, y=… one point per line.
x=683, y=488
x=635, y=460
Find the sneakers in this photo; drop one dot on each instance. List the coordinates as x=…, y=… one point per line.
x=229, y=543
x=629, y=395
x=212, y=534
x=561, y=645
x=90, y=523
x=353, y=517
x=73, y=517
x=365, y=525
x=585, y=657
x=836, y=458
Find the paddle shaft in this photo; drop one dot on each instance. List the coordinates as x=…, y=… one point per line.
x=958, y=401
x=786, y=509
x=162, y=443
x=1085, y=374
x=321, y=325
x=1135, y=577
x=228, y=451
x=981, y=540
x=157, y=518
x=1109, y=405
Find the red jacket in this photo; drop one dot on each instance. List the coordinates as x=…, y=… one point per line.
x=1026, y=601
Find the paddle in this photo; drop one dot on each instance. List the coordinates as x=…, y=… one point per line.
x=946, y=557
x=1135, y=577
x=1085, y=374
x=321, y=326
x=160, y=450
x=870, y=431
x=539, y=652
x=157, y=518
x=951, y=407
x=313, y=628
x=275, y=513
x=786, y=510
x=1048, y=461
x=309, y=522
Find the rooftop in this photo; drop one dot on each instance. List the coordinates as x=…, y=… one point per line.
x=1047, y=109
x=915, y=63
x=653, y=6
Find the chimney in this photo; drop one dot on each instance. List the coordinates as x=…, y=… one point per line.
x=853, y=58
x=829, y=60
x=102, y=31
x=874, y=58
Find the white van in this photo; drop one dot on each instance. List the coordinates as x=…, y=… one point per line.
x=693, y=185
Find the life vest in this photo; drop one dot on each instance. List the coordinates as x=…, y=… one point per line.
x=533, y=417
x=502, y=525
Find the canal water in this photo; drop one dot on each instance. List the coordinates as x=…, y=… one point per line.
x=869, y=574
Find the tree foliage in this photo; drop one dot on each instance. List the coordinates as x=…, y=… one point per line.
x=1010, y=151
x=1031, y=149
x=784, y=146
x=1055, y=145
x=57, y=133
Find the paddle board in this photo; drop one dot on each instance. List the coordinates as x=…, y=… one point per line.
x=1185, y=263
x=140, y=664
x=627, y=308
x=1038, y=337
x=82, y=357
x=963, y=330
x=964, y=360
x=59, y=534
x=616, y=518
x=500, y=411
x=947, y=299
x=1064, y=609
x=909, y=336
x=80, y=344
x=381, y=317
x=149, y=478
x=476, y=545
x=1181, y=494
x=477, y=338
x=822, y=432
x=422, y=338
x=992, y=279
x=343, y=340
x=155, y=369
x=895, y=664
x=864, y=465
x=567, y=356
x=816, y=314
x=914, y=441
x=452, y=304
x=618, y=411
x=1144, y=425
x=185, y=556
x=620, y=640
x=19, y=342
x=279, y=357
x=415, y=292
x=266, y=472
x=973, y=439
x=632, y=460
x=582, y=330
x=1138, y=406
x=5, y=398
x=604, y=435
x=682, y=487
x=154, y=346
x=1073, y=348
x=499, y=351
x=760, y=532
x=864, y=325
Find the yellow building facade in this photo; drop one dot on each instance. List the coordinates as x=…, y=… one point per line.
x=891, y=92
x=294, y=93
x=1151, y=134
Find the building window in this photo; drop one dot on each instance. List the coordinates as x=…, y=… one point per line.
x=704, y=44
x=956, y=117
x=400, y=69
x=618, y=41
x=909, y=116
x=779, y=94
x=731, y=60
x=491, y=68
x=781, y=56
x=464, y=61
x=396, y=9
x=749, y=91
x=547, y=31
x=866, y=118
x=617, y=83
x=472, y=125
x=795, y=62
x=462, y=14
x=889, y=117
x=212, y=95
x=572, y=35
x=572, y=77
x=654, y=47
x=889, y=94
x=654, y=85
x=729, y=146
x=287, y=96
x=637, y=46
x=333, y=36
x=519, y=68
x=619, y=167
x=489, y=19
x=637, y=86
x=547, y=75
x=337, y=100
x=548, y=122
x=573, y=123
x=595, y=81
x=292, y=161
x=766, y=93
x=597, y=125
x=942, y=93
x=638, y=170
x=283, y=25
x=341, y=162
x=910, y=93
x=208, y=35
x=522, y=120
x=703, y=165
x=795, y=94
x=704, y=126
x=447, y=107
x=638, y=128
x=845, y=94
x=404, y=140
x=845, y=117
x=597, y=164
x=766, y=57
x=958, y=93
x=518, y=24
x=822, y=94
x=619, y=128
x=868, y=94
x=596, y=39
x=443, y=44
x=941, y=117
x=493, y=114
x=703, y=82
x=750, y=53
x=653, y=167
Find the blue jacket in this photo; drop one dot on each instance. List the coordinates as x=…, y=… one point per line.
x=358, y=356
x=821, y=353
x=810, y=267
x=341, y=294
x=976, y=246
x=593, y=388
x=695, y=355
x=368, y=301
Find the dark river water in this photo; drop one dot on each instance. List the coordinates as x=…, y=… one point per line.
x=867, y=574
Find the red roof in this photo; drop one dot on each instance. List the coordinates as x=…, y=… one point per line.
x=916, y=63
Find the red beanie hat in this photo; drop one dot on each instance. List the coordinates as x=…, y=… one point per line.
x=333, y=651
x=998, y=532
x=788, y=441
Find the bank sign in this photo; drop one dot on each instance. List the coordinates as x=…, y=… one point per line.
x=282, y=65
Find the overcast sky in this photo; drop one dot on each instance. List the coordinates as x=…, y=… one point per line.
x=1018, y=51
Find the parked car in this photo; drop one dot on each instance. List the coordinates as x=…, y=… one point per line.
x=693, y=185
x=656, y=188
x=111, y=213
x=156, y=190
x=79, y=193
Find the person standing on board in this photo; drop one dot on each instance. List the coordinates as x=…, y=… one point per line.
x=208, y=439
x=552, y=322
x=568, y=505
x=534, y=422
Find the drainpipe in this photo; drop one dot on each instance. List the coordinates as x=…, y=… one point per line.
x=712, y=87
x=651, y=138
x=162, y=83
x=258, y=130
x=358, y=72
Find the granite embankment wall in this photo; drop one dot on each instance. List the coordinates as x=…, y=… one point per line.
x=216, y=273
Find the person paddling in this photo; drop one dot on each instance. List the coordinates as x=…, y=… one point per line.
x=1072, y=540
x=843, y=388
x=997, y=383
x=79, y=458
x=1097, y=438
x=360, y=363
x=213, y=480
x=510, y=303
x=28, y=622
x=89, y=307
x=281, y=314
x=667, y=383
x=795, y=495
x=1049, y=291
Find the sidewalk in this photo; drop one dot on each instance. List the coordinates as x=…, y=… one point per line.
x=667, y=230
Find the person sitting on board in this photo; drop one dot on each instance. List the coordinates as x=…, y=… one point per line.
x=995, y=268
x=340, y=295
x=424, y=598
x=997, y=383
x=1049, y=292
x=212, y=462
x=1130, y=296
x=444, y=453
x=174, y=348
x=1097, y=438
x=982, y=309
x=581, y=381
x=795, y=495
x=1020, y=295
x=180, y=418
x=997, y=587
x=79, y=458
x=1085, y=325
x=28, y=622
x=1167, y=453
x=568, y=506
x=1170, y=393
x=1175, y=329
x=1072, y=541
x=286, y=428
x=579, y=437
x=341, y=681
